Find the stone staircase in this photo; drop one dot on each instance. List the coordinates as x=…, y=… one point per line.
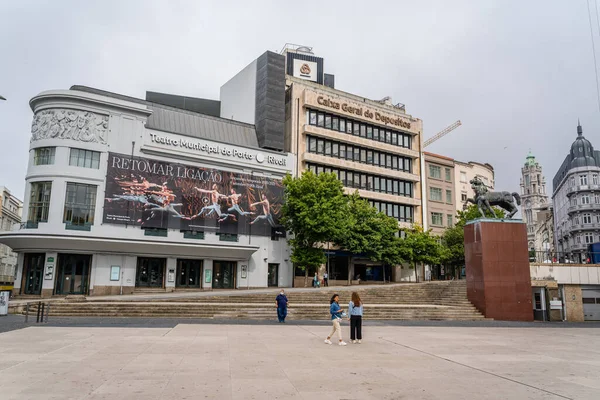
x=426, y=301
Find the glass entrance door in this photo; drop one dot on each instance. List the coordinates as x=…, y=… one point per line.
x=33, y=267
x=188, y=273
x=273, y=279
x=150, y=272
x=73, y=272
x=224, y=274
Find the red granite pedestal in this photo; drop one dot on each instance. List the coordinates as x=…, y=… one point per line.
x=497, y=269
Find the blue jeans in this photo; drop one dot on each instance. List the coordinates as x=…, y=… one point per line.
x=281, y=313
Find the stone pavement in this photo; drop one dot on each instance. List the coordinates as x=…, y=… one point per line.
x=290, y=361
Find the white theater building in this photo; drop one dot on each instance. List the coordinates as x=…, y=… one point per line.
x=72, y=241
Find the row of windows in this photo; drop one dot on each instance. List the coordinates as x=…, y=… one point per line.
x=584, y=180
x=585, y=199
x=401, y=212
x=435, y=172
x=437, y=219
x=352, y=127
x=586, y=219
x=373, y=183
x=358, y=154
x=587, y=238
x=435, y=194
x=78, y=157
x=80, y=203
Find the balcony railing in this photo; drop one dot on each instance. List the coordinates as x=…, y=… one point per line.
x=583, y=227
x=583, y=207
x=582, y=188
x=553, y=257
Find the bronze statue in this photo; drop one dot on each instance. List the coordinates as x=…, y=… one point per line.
x=485, y=199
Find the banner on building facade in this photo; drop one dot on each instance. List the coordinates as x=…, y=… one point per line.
x=160, y=194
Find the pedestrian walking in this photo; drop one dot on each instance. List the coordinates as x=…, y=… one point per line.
x=282, y=303
x=326, y=279
x=355, y=311
x=336, y=317
x=316, y=282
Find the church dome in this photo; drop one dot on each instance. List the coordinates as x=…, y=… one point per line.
x=582, y=151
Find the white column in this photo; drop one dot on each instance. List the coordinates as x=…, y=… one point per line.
x=171, y=273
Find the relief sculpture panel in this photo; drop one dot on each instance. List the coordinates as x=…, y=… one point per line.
x=83, y=126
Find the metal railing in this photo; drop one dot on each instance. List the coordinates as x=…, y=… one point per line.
x=43, y=312
x=553, y=257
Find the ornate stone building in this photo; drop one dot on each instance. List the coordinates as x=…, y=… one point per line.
x=576, y=200
x=534, y=197
x=10, y=214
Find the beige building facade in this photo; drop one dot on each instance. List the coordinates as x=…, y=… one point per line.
x=373, y=147
x=463, y=173
x=440, y=191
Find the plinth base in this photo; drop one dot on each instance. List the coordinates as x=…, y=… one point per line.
x=497, y=269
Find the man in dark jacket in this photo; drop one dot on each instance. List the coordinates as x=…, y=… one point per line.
x=281, y=302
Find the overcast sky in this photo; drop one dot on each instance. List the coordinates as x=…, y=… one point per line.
x=517, y=74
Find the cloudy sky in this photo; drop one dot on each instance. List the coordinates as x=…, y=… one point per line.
x=518, y=74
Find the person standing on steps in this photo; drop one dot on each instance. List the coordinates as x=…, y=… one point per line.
x=281, y=302
x=336, y=317
x=326, y=279
x=355, y=313
x=316, y=282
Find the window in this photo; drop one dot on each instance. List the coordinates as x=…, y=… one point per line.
x=587, y=218
x=448, y=174
x=320, y=146
x=583, y=180
x=463, y=177
x=320, y=119
x=357, y=154
x=572, y=181
x=585, y=199
x=574, y=201
x=435, y=194
x=526, y=180
x=597, y=198
x=312, y=117
x=356, y=129
x=327, y=121
x=44, y=156
x=328, y=148
x=595, y=179
x=369, y=132
x=435, y=172
x=80, y=204
x=376, y=133
x=85, y=158
x=335, y=123
x=463, y=197
x=450, y=220
x=342, y=125
x=312, y=145
x=589, y=238
x=39, y=201
x=449, y=196
x=436, y=218
x=335, y=150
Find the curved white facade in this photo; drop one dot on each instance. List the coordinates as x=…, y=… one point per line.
x=104, y=258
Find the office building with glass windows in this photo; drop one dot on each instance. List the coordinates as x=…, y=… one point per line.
x=372, y=146
x=124, y=195
x=576, y=201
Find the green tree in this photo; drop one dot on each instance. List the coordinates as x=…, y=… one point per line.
x=370, y=232
x=418, y=247
x=314, y=213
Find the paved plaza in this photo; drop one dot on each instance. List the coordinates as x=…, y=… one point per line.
x=290, y=361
